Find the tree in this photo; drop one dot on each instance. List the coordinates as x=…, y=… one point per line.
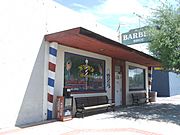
x=164, y=33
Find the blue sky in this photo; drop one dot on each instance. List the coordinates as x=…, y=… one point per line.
x=129, y=14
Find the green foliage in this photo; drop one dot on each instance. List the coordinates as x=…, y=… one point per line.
x=164, y=33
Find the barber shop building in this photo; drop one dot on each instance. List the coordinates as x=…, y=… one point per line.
x=89, y=65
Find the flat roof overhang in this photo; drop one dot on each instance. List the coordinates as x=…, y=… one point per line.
x=84, y=39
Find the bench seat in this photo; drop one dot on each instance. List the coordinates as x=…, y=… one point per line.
x=84, y=104
x=140, y=97
x=97, y=106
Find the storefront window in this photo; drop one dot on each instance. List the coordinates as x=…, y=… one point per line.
x=136, y=78
x=83, y=74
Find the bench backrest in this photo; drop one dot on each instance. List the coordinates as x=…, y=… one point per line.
x=102, y=100
x=139, y=95
x=81, y=101
x=91, y=101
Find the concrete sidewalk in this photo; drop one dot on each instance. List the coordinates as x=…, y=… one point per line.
x=160, y=118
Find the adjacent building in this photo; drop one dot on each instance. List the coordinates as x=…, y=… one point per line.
x=166, y=83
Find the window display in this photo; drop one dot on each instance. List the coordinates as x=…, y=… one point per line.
x=83, y=73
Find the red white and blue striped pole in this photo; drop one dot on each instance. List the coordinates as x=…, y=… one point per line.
x=51, y=78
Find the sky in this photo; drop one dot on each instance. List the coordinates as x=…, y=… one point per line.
x=128, y=14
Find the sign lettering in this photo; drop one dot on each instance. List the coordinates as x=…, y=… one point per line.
x=135, y=36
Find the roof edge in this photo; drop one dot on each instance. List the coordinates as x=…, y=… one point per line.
x=101, y=38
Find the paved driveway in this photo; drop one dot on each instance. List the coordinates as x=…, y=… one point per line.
x=160, y=118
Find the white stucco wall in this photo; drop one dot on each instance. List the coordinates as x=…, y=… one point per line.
x=23, y=25
x=32, y=105
x=128, y=93
x=59, y=82
x=174, y=83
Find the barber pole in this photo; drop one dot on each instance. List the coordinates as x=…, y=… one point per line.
x=51, y=78
x=149, y=78
x=86, y=72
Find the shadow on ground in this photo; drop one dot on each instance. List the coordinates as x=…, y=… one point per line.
x=156, y=112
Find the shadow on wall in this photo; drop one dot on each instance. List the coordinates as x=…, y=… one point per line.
x=31, y=110
x=166, y=112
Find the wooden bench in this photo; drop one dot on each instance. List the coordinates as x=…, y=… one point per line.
x=84, y=104
x=140, y=97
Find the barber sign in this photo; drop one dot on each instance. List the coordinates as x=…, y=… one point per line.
x=135, y=36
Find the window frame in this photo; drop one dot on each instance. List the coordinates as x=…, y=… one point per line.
x=144, y=78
